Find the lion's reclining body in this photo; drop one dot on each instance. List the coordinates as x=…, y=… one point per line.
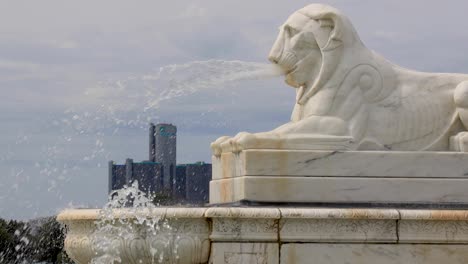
x=409, y=111
x=419, y=114
x=349, y=97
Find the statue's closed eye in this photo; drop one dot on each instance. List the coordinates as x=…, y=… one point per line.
x=291, y=31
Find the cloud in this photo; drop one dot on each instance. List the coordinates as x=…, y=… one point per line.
x=8, y=65
x=63, y=44
x=193, y=11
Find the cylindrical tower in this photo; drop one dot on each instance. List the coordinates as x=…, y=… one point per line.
x=152, y=143
x=166, y=144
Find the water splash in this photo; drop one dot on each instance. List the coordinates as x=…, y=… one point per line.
x=110, y=106
x=132, y=101
x=105, y=109
x=135, y=100
x=129, y=215
x=143, y=94
x=147, y=91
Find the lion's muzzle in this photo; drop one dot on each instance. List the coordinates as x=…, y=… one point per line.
x=281, y=53
x=286, y=59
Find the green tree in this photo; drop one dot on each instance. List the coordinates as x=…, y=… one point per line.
x=48, y=242
x=5, y=242
x=14, y=242
x=20, y=243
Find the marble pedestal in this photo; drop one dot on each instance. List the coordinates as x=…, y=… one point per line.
x=341, y=177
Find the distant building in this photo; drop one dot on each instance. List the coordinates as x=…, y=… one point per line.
x=160, y=174
x=147, y=173
x=180, y=186
x=117, y=178
x=165, y=153
x=195, y=181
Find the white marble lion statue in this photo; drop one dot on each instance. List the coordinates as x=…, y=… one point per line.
x=350, y=98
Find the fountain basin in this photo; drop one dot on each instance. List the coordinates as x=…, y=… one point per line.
x=273, y=235
x=156, y=235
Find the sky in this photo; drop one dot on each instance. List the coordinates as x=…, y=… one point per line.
x=74, y=89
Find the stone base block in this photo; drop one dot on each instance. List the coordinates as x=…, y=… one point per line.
x=244, y=253
x=373, y=253
x=368, y=177
x=340, y=190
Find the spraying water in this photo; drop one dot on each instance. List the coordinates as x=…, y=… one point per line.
x=132, y=101
x=135, y=211
x=144, y=94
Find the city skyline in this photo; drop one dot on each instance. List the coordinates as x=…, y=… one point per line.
x=161, y=174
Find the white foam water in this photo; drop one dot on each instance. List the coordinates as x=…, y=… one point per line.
x=126, y=218
x=132, y=101
x=144, y=94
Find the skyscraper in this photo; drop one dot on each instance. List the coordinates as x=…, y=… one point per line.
x=165, y=153
x=152, y=143
x=160, y=175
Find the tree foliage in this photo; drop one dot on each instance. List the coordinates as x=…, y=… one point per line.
x=48, y=242
x=28, y=242
x=14, y=242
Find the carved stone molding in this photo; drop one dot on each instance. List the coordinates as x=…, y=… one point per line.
x=243, y=212
x=330, y=213
x=433, y=226
x=244, y=253
x=338, y=225
x=172, y=235
x=248, y=235
x=337, y=230
x=244, y=224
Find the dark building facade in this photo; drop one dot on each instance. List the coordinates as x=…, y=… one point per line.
x=117, y=178
x=179, y=188
x=186, y=183
x=147, y=173
x=196, y=181
x=165, y=152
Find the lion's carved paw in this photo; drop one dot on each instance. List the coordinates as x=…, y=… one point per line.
x=216, y=145
x=459, y=142
x=241, y=141
x=236, y=144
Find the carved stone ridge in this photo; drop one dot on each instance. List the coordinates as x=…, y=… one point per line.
x=239, y=212
x=434, y=215
x=324, y=213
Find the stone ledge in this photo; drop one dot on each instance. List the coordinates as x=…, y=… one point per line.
x=338, y=190
x=340, y=177
x=125, y=213
x=338, y=225
x=244, y=253
x=152, y=237
x=334, y=213
x=244, y=224
x=433, y=226
x=435, y=215
x=242, y=212
x=252, y=233
x=266, y=162
x=343, y=225
x=372, y=253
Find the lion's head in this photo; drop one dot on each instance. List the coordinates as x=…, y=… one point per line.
x=309, y=47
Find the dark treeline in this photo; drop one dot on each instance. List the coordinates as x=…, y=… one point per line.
x=36, y=241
